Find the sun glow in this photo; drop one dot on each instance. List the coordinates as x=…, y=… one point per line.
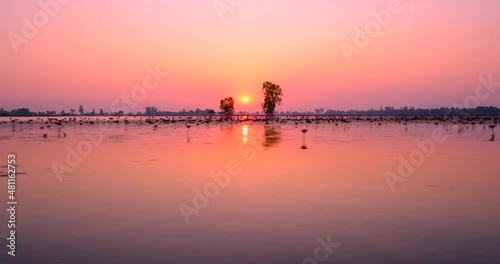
x=245, y=99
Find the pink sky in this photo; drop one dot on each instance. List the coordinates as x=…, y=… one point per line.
x=91, y=52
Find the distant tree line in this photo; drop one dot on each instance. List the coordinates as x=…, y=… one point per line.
x=389, y=110
x=152, y=110
x=26, y=112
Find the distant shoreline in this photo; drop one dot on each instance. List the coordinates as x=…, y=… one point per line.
x=262, y=115
x=383, y=111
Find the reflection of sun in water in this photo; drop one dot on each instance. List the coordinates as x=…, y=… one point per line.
x=245, y=133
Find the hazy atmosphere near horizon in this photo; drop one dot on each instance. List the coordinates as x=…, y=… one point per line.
x=235, y=131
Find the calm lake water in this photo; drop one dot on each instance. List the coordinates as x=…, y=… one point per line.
x=117, y=193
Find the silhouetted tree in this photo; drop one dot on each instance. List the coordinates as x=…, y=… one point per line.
x=21, y=112
x=319, y=111
x=272, y=97
x=151, y=110
x=227, y=106
x=80, y=110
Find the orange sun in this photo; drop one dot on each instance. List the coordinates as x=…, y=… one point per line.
x=245, y=99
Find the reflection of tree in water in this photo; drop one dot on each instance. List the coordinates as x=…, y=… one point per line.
x=272, y=137
x=227, y=129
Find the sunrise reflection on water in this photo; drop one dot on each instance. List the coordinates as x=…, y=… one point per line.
x=124, y=196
